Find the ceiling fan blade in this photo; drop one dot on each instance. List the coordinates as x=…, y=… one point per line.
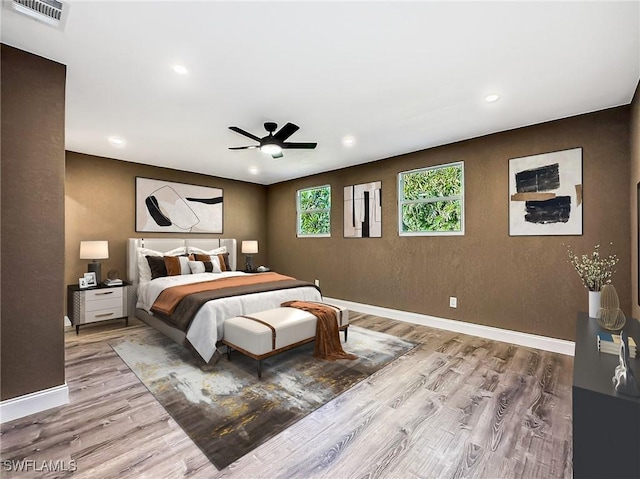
x=245, y=133
x=243, y=147
x=307, y=146
x=286, y=131
x=277, y=155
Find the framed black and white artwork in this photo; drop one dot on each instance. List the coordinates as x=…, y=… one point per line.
x=545, y=194
x=90, y=280
x=169, y=207
x=363, y=210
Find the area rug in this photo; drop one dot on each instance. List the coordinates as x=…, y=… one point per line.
x=226, y=410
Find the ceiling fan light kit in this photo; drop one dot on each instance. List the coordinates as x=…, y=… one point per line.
x=273, y=144
x=271, y=149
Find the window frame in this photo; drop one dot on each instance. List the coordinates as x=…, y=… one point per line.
x=461, y=198
x=299, y=211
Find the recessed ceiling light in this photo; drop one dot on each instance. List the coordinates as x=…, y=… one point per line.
x=116, y=141
x=180, y=69
x=253, y=170
x=492, y=98
x=348, y=140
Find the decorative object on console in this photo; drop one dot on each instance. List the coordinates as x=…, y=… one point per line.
x=595, y=271
x=610, y=316
x=94, y=250
x=594, y=303
x=610, y=343
x=545, y=194
x=249, y=248
x=166, y=206
x=624, y=381
x=363, y=210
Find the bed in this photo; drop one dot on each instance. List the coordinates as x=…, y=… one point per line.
x=205, y=330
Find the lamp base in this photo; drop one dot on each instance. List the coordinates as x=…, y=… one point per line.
x=249, y=266
x=95, y=267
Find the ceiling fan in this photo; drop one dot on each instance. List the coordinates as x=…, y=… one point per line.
x=273, y=144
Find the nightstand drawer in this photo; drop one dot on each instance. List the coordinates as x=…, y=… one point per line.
x=101, y=315
x=103, y=303
x=99, y=294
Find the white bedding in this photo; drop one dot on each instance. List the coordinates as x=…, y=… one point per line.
x=207, y=326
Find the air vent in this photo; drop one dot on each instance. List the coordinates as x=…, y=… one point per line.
x=51, y=12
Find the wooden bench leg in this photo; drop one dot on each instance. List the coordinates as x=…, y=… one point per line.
x=229, y=352
x=260, y=368
x=345, y=333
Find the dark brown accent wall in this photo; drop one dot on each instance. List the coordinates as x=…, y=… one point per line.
x=518, y=283
x=635, y=179
x=100, y=205
x=32, y=250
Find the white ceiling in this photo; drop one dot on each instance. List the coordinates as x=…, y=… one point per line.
x=399, y=77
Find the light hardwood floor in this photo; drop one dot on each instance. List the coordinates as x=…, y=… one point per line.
x=457, y=406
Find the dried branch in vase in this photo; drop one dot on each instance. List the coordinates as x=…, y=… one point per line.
x=594, y=270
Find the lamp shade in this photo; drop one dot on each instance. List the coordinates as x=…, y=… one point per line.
x=249, y=247
x=94, y=249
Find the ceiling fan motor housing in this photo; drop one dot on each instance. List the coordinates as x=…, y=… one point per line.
x=270, y=126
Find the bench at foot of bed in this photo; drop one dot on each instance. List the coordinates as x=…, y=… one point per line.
x=264, y=334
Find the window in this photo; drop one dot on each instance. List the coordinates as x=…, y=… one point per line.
x=314, y=211
x=431, y=200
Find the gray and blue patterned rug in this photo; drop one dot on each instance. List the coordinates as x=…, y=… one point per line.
x=226, y=410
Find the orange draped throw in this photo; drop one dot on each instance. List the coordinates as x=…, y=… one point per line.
x=327, y=333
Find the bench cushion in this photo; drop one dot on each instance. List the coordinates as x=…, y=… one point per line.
x=292, y=325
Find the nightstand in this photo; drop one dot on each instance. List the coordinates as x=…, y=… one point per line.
x=101, y=303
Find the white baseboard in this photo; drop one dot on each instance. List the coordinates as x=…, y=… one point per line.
x=34, y=402
x=515, y=337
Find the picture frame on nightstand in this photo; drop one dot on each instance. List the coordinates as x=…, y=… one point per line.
x=90, y=278
x=82, y=283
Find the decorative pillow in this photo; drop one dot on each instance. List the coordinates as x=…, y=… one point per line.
x=157, y=266
x=224, y=261
x=204, y=267
x=184, y=265
x=172, y=263
x=144, y=271
x=216, y=264
x=201, y=257
x=220, y=250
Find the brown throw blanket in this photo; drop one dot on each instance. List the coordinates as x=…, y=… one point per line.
x=327, y=333
x=167, y=301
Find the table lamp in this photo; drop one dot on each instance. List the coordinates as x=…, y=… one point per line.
x=94, y=250
x=249, y=248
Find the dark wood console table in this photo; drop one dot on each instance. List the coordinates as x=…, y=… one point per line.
x=606, y=425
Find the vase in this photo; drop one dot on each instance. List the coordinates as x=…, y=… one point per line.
x=594, y=303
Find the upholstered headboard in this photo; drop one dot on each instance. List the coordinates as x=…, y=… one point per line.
x=167, y=244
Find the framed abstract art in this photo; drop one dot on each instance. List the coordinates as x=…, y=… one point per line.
x=169, y=207
x=363, y=210
x=545, y=194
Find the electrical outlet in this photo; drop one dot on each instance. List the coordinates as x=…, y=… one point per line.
x=453, y=302
x=317, y=282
